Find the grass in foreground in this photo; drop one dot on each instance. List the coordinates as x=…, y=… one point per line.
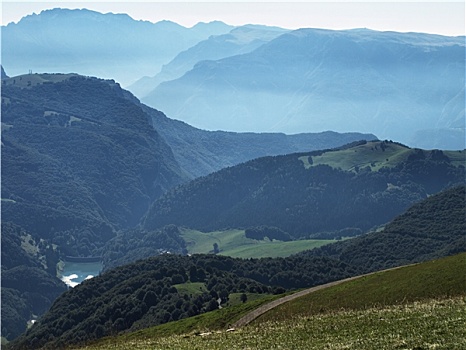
x=432, y=324
x=210, y=321
x=432, y=279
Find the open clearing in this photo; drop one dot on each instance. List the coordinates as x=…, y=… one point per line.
x=234, y=243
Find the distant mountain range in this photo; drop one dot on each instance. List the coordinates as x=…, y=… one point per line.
x=91, y=43
x=238, y=41
x=407, y=87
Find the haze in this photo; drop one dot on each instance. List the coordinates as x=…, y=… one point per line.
x=445, y=18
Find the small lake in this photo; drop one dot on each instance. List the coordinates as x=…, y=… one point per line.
x=74, y=273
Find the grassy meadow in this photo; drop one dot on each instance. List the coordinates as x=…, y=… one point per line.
x=433, y=324
x=420, y=306
x=234, y=243
x=372, y=155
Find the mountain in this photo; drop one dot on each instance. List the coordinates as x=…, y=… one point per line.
x=201, y=152
x=170, y=287
x=80, y=162
x=365, y=184
x=154, y=291
x=394, y=85
x=121, y=48
x=428, y=230
x=3, y=74
x=239, y=41
x=376, y=311
x=77, y=153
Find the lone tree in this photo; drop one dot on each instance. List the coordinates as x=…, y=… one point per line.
x=243, y=297
x=216, y=250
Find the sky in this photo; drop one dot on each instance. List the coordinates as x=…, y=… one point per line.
x=445, y=18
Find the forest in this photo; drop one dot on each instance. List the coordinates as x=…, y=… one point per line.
x=304, y=200
x=150, y=291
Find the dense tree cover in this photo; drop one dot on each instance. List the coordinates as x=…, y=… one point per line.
x=430, y=229
x=305, y=201
x=145, y=293
x=201, y=152
x=80, y=161
x=135, y=244
x=260, y=232
x=29, y=285
x=81, y=146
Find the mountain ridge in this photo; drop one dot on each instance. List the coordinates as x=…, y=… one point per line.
x=122, y=48
x=314, y=79
x=302, y=193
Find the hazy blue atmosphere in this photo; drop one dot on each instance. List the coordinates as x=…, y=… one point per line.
x=215, y=156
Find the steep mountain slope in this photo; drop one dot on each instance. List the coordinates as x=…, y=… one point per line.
x=201, y=152
x=363, y=185
x=3, y=73
x=239, y=41
x=374, y=312
x=309, y=80
x=79, y=162
x=430, y=229
x=58, y=40
x=152, y=291
x=77, y=151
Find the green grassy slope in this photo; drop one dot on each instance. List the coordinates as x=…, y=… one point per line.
x=432, y=279
x=420, y=305
x=234, y=243
x=374, y=154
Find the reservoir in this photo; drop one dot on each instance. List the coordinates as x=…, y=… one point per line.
x=74, y=273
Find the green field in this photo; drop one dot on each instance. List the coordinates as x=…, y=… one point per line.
x=434, y=324
x=234, y=243
x=432, y=279
x=370, y=155
x=191, y=288
x=416, y=307
x=29, y=80
x=374, y=154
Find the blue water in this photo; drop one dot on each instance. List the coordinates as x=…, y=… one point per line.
x=74, y=273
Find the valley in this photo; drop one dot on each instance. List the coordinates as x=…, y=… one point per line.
x=230, y=186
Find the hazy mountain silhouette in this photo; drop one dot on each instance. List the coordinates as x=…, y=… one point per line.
x=392, y=84
x=91, y=43
x=239, y=41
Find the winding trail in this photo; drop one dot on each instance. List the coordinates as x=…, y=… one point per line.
x=251, y=316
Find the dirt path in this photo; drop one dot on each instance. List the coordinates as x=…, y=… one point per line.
x=248, y=318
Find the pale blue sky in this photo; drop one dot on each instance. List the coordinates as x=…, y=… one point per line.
x=446, y=18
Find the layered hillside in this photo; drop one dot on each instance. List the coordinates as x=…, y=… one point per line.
x=82, y=160
x=78, y=157
x=321, y=194
x=238, y=41
x=79, y=162
x=430, y=229
x=201, y=152
x=399, y=86
x=170, y=287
